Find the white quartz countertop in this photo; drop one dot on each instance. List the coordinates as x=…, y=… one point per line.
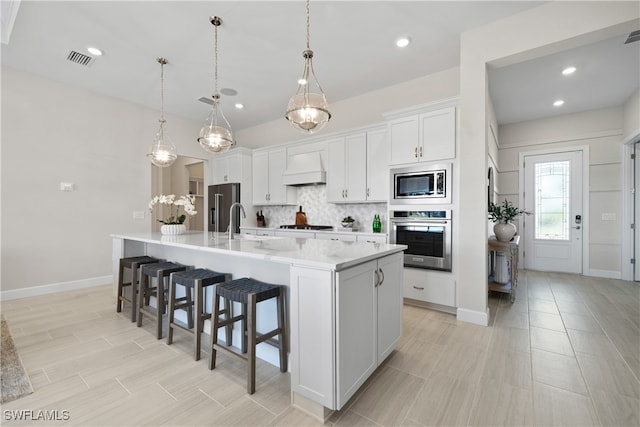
x=303, y=230
x=325, y=254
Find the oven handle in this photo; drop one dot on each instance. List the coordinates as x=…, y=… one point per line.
x=421, y=221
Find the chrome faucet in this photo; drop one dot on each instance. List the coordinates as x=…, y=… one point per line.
x=231, y=224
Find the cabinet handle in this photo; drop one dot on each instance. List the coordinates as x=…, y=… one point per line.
x=415, y=152
x=367, y=192
x=420, y=151
x=376, y=281
x=418, y=288
x=346, y=193
x=382, y=274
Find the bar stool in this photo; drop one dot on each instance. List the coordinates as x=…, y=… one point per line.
x=161, y=271
x=133, y=264
x=248, y=292
x=193, y=280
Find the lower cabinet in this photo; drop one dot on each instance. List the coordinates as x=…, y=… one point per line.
x=343, y=332
x=431, y=286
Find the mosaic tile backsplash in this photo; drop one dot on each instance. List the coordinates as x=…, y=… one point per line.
x=313, y=199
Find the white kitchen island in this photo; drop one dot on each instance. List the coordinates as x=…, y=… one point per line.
x=344, y=302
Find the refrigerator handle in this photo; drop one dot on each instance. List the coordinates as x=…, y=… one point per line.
x=216, y=208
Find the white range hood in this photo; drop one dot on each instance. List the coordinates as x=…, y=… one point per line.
x=304, y=169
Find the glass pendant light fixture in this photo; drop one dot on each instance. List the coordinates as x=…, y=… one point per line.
x=308, y=110
x=215, y=135
x=163, y=152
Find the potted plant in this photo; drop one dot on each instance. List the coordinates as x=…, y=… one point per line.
x=347, y=222
x=174, y=224
x=502, y=215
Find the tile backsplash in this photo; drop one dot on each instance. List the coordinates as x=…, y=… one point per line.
x=313, y=199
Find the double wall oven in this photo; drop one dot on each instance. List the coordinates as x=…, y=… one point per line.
x=420, y=215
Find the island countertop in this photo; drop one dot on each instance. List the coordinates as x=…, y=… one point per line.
x=326, y=254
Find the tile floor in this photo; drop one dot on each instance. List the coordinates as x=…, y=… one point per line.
x=567, y=352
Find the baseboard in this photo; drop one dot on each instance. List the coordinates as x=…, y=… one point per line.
x=605, y=274
x=54, y=287
x=472, y=316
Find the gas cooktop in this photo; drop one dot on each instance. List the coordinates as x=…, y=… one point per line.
x=307, y=227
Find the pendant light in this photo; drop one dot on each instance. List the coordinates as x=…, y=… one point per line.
x=163, y=152
x=215, y=135
x=308, y=111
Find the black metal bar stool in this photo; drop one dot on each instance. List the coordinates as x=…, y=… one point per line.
x=160, y=271
x=133, y=264
x=248, y=292
x=193, y=280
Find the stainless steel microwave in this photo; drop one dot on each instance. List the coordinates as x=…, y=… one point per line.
x=419, y=184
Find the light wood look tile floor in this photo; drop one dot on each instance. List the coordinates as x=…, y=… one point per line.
x=567, y=352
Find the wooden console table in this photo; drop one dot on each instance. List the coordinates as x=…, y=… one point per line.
x=510, y=248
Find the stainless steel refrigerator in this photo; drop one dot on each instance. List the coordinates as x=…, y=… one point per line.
x=221, y=197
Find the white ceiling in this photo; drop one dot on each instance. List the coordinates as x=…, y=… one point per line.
x=260, y=53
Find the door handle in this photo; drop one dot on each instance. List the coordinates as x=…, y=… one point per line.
x=577, y=227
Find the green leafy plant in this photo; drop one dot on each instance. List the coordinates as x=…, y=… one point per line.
x=186, y=202
x=505, y=212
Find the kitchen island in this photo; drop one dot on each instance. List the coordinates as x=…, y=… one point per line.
x=344, y=302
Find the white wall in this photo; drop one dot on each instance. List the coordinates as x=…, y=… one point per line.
x=513, y=39
x=54, y=133
x=602, y=131
x=632, y=116
x=361, y=110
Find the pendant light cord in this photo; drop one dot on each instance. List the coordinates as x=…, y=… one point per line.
x=308, y=48
x=215, y=54
x=162, y=61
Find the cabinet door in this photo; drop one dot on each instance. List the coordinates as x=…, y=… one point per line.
x=220, y=171
x=336, y=174
x=403, y=134
x=356, y=145
x=438, y=134
x=389, y=304
x=260, y=178
x=377, y=166
x=277, y=166
x=345, y=237
x=355, y=328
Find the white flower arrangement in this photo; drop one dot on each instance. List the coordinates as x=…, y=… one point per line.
x=186, y=202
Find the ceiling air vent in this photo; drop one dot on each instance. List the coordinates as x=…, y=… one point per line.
x=80, y=58
x=634, y=36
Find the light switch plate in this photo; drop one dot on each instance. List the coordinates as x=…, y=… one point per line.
x=66, y=186
x=609, y=216
x=138, y=214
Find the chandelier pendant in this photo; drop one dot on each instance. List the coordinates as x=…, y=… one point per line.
x=163, y=152
x=216, y=135
x=308, y=109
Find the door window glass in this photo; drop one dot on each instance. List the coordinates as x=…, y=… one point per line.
x=552, y=200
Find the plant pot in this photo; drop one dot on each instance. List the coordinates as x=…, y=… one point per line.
x=173, y=229
x=504, y=231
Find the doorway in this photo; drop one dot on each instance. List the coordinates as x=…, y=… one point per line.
x=185, y=176
x=554, y=231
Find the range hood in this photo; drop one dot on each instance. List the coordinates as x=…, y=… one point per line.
x=304, y=169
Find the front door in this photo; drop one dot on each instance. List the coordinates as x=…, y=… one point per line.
x=553, y=195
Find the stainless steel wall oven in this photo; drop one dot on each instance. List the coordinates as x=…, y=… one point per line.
x=427, y=235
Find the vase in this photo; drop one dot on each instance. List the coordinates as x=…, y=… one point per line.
x=504, y=231
x=173, y=229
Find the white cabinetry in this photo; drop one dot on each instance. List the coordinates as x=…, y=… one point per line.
x=268, y=189
x=227, y=168
x=430, y=286
x=357, y=167
x=358, y=321
x=423, y=137
x=382, y=238
x=368, y=320
x=345, y=237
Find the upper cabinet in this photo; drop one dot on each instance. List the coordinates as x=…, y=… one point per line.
x=357, y=163
x=268, y=189
x=231, y=166
x=423, y=137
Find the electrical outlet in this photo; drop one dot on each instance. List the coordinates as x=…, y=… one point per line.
x=138, y=214
x=67, y=186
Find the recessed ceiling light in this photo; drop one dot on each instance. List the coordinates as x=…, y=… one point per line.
x=228, y=91
x=403, y=42
x=94, y=51
x=558, y=103
x=239, y=106
x=569, y=70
